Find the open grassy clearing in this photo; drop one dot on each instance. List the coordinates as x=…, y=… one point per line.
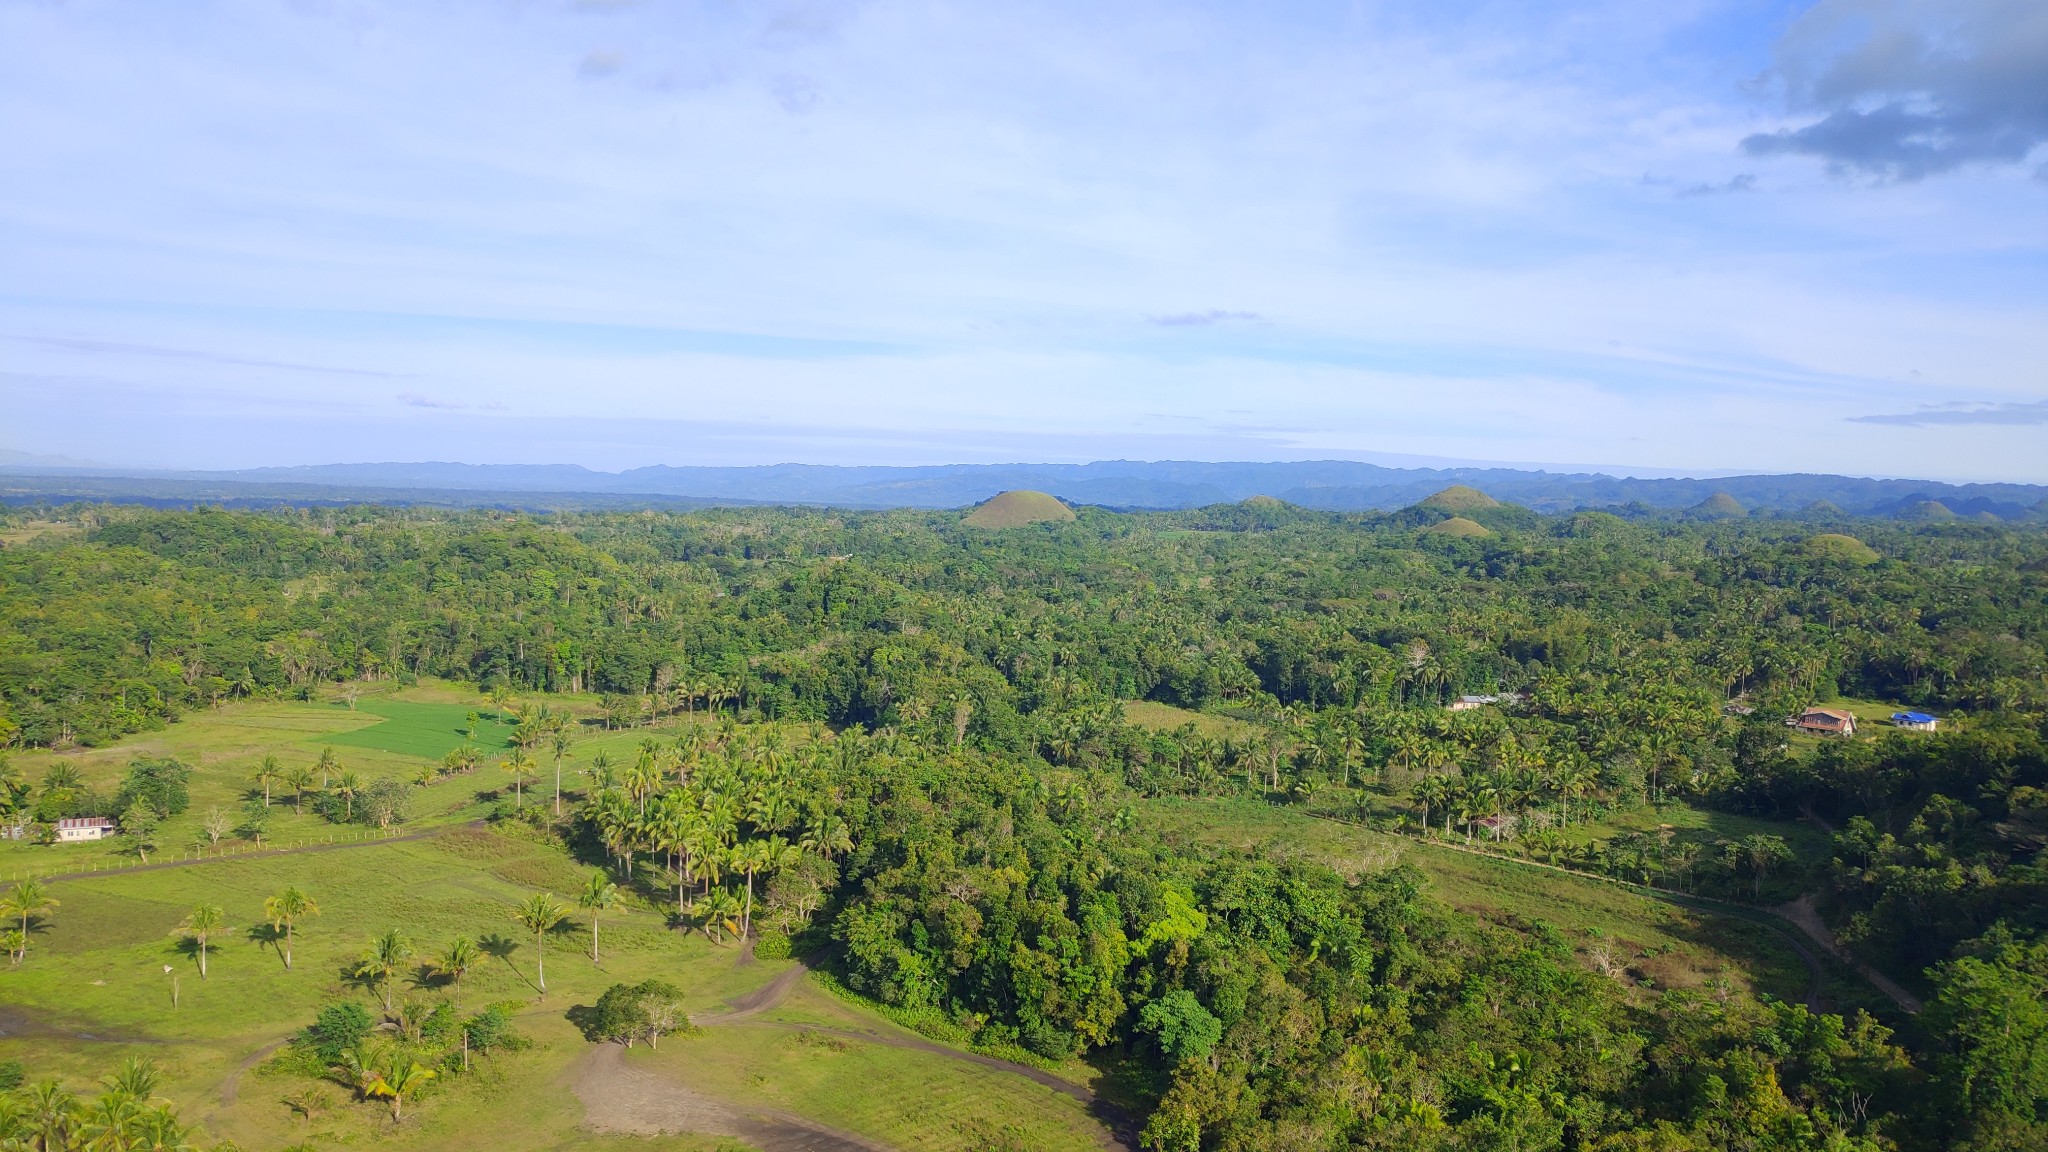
x=1165, y=717
x=426, y=730
x=1668, y=946
x=94, y=990
x=392, y=733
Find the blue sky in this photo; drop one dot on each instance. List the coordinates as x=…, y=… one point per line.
x=1687, y=236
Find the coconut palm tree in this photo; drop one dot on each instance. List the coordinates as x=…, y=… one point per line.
x=539, y=915
x=460, y=956
x=385, y=956
x=599, y=895
x=520, y=765
x=329, y=764
x=826, y=834
x=396, y=1082
x=1432, y=792
x=716, y=911
x=201, y=923
x=136, y=1079
x=348, y=786
x=285, y=910
x=300, y=781
x=27, y=900
x=269, y=773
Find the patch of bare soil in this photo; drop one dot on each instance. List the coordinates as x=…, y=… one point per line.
x=620, y=1098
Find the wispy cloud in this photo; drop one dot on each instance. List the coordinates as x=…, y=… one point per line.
x=1209, y=319
x=1955, y=413
x=416, y=400
x=123, y=348
x=1742, y=182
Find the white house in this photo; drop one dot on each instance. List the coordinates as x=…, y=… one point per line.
x=76, y=829
x=1918, y=721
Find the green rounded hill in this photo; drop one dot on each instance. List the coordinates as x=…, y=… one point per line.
x=1926, y=510
x=1458, y=526
x=1264, y=501
x=1015, y=509
x=1719, y=506
x=1835, y=546
x=1459, y=499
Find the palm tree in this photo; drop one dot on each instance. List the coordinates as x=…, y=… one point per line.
x=1432, y=792
x=201, y=923
x=329, y=764
x=158, y=1130
x=826, y=835
x=520, y=765
x=539, y=915
x=27, y=900
x=347, y=785
x=560, y=740
x=396, y=1082
x=52, y=1115
x=300, y=780
x=136, y=1079
x=285, y=910
x=270, y=772
x=386, y=955
x=456, y=962
x=598, y=895
x=715, y=911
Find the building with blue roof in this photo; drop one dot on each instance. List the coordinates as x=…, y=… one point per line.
x=1918, y=721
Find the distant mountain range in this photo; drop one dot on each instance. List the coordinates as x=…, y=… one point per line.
x=1341, y=485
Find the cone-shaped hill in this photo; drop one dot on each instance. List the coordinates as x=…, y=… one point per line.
x=1458, y=526
x=1719, y=506
x=1459, y=499
x=1012, y=509
x=1835, y=546
x=1926, y=510
x=1264, y=501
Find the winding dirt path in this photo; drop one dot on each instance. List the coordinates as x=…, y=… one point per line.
x=1801, y=913
x=623, y=1099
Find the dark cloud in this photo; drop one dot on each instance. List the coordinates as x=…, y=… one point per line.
x=119, y=348
x=1208, y=319
x=600, y=65
x=1979, y=413
x=1911, y=88
x=1741, y=182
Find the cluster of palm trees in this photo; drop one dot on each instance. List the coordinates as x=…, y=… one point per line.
x=127, y=1116
x=717, y=807
x=1498, y=801
x=325, y=775
x=670, y=698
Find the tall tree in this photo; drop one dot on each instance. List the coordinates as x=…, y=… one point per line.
x=200, y=924
x=284, y=911
x=539, y=915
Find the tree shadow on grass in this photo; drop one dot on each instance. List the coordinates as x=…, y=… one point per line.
x=501, y=946
x=267, y=936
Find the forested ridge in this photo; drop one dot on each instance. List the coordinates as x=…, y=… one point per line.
x=999, y=882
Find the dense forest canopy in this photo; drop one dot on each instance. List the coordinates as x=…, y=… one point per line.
x=964, y=691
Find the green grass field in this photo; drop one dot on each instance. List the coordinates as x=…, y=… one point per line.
x=94, y=990
x=427, y=730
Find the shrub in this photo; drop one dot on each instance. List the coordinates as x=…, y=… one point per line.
x=772, y=946
x=340, y=1027
x=11, y=1075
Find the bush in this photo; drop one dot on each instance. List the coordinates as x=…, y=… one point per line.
x=11, y=1075
x=491, y=1029
x=340, y=1027
x=772, y=946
